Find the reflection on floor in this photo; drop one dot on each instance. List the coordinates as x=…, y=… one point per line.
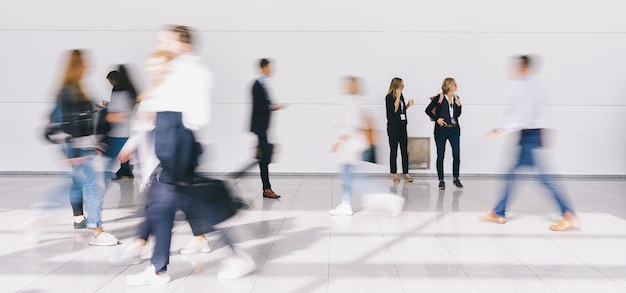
x=435, y=245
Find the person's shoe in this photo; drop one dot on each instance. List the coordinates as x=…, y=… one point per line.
x=568, y=222
x=148, y=277
x=236, y=266
x=81, y=225
x=103, y=239
x=408, y=178
x=457, y=183
x=127, y=255
x=493, y=218
x=270, y=194
x=396, y=178
x=342, y=209
x=194, y=247
x=442, y=185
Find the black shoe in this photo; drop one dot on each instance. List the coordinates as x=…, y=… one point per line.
x=442, y=185
x=81, y=225
x=457, y=183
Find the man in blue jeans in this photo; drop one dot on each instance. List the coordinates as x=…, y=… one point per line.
x=526, y=119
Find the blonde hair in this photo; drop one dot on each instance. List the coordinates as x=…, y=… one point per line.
x=74, y=74
x=168, y=56
x=395, y=83
x=447, y=84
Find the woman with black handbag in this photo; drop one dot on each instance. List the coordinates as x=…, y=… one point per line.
x=445, y=110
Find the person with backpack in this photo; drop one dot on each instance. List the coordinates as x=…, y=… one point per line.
x=74, y=116
x=445, y=110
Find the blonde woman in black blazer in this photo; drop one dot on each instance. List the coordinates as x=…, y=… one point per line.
x=396, y=128
x=445, y=110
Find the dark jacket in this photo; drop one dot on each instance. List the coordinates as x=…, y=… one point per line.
x=393, y=118
x=441, y=111
x=261, y=108
x=176, y=147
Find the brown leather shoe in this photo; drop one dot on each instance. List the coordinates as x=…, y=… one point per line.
x=270, y=194
x=396, y=178
x=493, y=218
x=408, y=178
x=568, y=222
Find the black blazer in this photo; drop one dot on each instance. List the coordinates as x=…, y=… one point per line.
x=441, y=111
x=393, y=118
x=261, y=108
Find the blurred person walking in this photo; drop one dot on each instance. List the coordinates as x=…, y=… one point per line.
x=262, y=108
x=170, y=115
x=352, y=142
x=396, y=128
x=527, y=121
x=118, y=113
x=76, y=135
x=445, y=110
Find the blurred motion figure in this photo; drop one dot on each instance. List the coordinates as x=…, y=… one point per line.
x=527, y=121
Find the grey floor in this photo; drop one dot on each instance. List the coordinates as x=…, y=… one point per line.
x=435, y=245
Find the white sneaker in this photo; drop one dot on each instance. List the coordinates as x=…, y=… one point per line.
x=126, y=255
x=194, y=247
x=236, y=266
x=103, y=239
x=344, y=209
x=148, y=277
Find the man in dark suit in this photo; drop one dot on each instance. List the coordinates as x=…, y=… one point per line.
x=262, y=108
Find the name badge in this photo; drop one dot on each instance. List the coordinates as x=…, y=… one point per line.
x=402, y=116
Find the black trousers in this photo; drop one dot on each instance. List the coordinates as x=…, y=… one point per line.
x=265, y=159
x=453, y=135
x=397, y=136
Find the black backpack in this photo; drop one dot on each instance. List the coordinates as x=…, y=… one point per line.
x=77, y=118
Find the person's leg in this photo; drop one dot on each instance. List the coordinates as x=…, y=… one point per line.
x=86, y=178
x=76, y=194
x=346, y=178
x=524, y=158
x=455, y=143
x=115, y=146
x=394, y=140
x=404, y=152
x=264, y=161
x=440, y=142
x=161, y=208
x=124, y=169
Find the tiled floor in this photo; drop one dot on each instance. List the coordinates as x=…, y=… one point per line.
x=435, y=245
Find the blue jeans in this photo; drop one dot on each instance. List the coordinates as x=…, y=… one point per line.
x=346, y=182
x=84, y=187
x=530, y=140
x=115, y=146
x=453, y=135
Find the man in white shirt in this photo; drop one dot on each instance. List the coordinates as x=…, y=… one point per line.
x=186, y=89
x=526, y=118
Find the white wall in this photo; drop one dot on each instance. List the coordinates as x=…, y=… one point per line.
x=313, y=44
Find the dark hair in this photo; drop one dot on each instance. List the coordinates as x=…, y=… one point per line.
x=525, y=61
x=123, y=81
x=184, y=33
x=114, y=76
x=264, y=63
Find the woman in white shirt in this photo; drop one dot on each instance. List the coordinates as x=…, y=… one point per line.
x=352, y=142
